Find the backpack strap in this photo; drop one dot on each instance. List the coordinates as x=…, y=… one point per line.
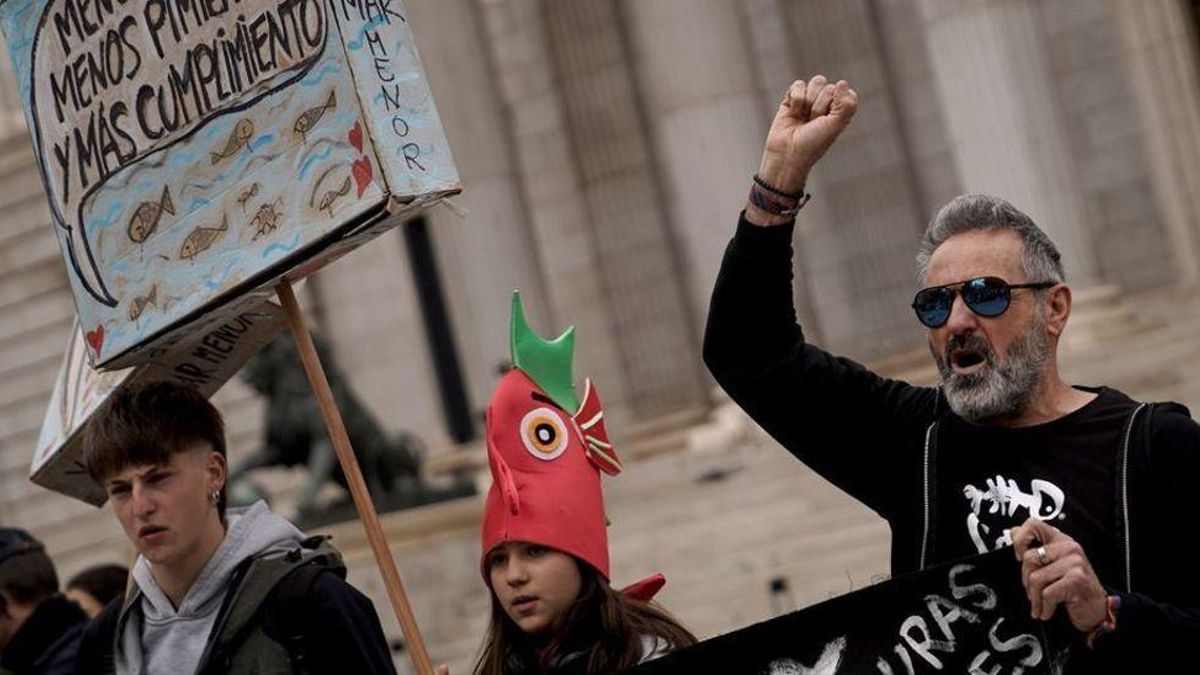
x=289, y=594
x=252, y=589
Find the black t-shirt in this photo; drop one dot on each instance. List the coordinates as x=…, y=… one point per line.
x=1063, y=472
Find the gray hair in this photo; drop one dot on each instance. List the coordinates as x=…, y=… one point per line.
x=1040, y=258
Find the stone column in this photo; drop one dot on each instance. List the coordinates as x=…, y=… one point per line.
x=773, y=60
x=692, y=61
x=1160, y=46
x=626, y=207
x=993, y=79
x=859, y=246
x=483, y=257
x=557, y=211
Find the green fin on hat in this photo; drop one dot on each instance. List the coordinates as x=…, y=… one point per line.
x=547, y=362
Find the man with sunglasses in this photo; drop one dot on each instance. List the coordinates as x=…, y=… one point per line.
x=1091, y=489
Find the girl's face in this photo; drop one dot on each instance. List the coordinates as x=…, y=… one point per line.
x=534, y=584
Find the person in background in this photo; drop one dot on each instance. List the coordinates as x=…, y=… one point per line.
x=95, y=587
x=39, y=629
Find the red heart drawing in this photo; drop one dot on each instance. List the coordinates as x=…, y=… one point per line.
x=95, y=339
x=362, y=173
x=356, y=136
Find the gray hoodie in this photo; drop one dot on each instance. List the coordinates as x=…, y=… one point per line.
x=160, y=639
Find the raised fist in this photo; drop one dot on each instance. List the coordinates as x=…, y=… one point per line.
x=810, y=118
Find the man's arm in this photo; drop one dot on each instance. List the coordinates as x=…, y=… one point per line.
x=835, y=415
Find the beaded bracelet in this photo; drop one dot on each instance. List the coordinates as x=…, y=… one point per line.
x=770, y=188
x=1109, y=624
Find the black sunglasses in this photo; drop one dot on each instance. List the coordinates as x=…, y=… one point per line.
x=986, y=296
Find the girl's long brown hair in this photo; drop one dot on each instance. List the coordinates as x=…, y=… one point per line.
x=604, y=624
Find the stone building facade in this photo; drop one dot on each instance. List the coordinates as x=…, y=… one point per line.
x=606, y=148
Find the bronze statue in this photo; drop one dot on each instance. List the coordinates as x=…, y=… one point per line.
x=295, y=434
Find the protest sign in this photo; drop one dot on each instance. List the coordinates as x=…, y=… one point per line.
x=192, y=152
x=204, y=360
x=970, y=616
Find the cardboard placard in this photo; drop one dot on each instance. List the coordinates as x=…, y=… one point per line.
x=205, y=358
x=969, y=616
x=194, y=152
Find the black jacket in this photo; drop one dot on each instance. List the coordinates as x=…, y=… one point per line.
x=862, y=431
x=48, y=640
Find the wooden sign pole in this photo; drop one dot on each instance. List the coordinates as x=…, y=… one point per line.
x=354, y=478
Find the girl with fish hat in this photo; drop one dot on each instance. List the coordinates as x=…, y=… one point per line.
x=545, y=548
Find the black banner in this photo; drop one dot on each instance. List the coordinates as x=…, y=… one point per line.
x=969, y=617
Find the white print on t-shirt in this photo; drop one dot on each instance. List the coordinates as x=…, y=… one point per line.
x=1004, y=498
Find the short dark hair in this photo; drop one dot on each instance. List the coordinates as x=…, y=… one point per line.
x=102, y=582
x=28, y=578
x=143, y=424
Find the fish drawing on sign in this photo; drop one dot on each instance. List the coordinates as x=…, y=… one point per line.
x=143, y=302
x=309, y=118
x=245, y=196
x=266, y=220
x=327, y=200
x=201, y=239
x=243, y=131
x=145, y=218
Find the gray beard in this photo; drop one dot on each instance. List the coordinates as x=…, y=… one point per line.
x=1002, y=388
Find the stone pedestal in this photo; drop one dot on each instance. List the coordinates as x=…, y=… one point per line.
x=1099, y=315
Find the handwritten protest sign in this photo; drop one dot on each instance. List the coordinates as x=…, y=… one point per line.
x=970, y=616
x=195, y=151
x=203, y=359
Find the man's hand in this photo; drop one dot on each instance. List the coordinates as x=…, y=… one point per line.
x=810, y=118
x=1058, y=574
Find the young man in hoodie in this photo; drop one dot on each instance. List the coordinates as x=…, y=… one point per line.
x=39, y=629
x=1092, y=490
x=212, y=592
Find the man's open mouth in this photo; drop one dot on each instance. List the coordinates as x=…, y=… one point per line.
x=968, y=360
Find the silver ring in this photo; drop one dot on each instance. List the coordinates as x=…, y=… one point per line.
x=1043, y=557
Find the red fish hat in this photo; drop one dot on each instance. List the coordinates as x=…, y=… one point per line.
x=546, y=450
